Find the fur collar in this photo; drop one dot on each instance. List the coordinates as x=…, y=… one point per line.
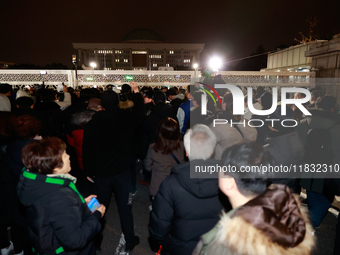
x=236, y=236
x=125, y=104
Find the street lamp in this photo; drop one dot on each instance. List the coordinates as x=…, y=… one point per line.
x=215, y=63
x=74, y=62
x=93, y=65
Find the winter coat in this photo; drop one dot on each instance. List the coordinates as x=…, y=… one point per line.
x=286, y=149
x=108, y=141
x=228, y=136
x=160, y=165
x=324, y=120
x=57, y=215
x=271, y=223
x=184, y=209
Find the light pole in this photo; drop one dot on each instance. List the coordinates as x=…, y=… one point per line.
x=74, y=62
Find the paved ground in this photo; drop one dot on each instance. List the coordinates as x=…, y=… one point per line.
x=325, y=234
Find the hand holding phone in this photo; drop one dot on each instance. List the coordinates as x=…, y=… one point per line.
x=93, y=205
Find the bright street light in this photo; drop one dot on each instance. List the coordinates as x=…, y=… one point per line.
x=215, y=63
x=195, y=66
x=93, y=64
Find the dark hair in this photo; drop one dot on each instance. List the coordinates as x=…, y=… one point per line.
x=314, y=94
x=326, y=103
x=248, y=155
x=126, y=89
x=87, y=94
x=5, y=88
x=26, y=127
x=229, y=101
x=197, y=96
x=43, y=156
x=24, y=102
x=168, y=137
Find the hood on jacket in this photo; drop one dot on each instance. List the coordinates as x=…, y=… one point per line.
x=179, y=96
x=199, y=187
x=266, y=226
x=33, y=186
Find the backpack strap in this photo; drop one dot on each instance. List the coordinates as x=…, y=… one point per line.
x=175, y=158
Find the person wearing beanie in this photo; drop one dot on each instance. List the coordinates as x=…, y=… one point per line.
x=107, y=150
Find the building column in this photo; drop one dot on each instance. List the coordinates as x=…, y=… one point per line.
x=96, y=59
x=113, y=59
x=164, y=61
x=130, y=59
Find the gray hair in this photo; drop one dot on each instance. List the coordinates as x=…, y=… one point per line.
x=199, y=142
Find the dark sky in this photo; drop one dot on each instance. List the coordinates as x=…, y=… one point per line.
x=42, y=32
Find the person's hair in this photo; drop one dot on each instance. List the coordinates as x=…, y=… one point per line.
x=5, y=88
x=126, y=89
x=191, y=89
x=199, y=142
x=26, y=127
x=314, y=94
x=46, y=95
x=229, y=101
x=94, y=104
x=43, y=156
x=168, y=137
x=24, y=102
x=267, y=101
x=197, y=96
x=326, y=103
x=87, y=94
x=248, y=155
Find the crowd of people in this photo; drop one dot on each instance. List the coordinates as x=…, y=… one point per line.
x=59, y=150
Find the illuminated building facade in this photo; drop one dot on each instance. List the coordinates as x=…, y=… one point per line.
x=139, y=49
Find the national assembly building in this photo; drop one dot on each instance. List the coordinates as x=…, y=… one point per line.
x=140, y=49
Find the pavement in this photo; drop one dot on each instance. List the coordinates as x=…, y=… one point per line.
x=325, y=233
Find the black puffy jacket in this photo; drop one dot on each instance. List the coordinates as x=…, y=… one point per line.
x=184, y=209
x=58, y=218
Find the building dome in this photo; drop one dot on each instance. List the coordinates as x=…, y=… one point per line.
x=142, y=35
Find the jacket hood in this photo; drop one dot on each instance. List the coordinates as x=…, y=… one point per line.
x=199, y=187
x=125, y=104
x=179, y=96
x=33, y=187
x=268, y=226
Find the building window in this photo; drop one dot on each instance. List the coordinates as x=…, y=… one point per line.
x=154, y=65
x=117, y=60
x=171, y=52
x=126, y=60
x=139, y=52
x=155, y=56
x=118, y=51
x=167, y=65
x=186, y=60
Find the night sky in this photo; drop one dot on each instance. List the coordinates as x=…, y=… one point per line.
x=42, y=32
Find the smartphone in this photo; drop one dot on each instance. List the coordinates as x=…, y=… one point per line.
x=93, y=205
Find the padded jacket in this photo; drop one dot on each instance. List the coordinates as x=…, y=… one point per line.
x=184, y=209
x=59, y=221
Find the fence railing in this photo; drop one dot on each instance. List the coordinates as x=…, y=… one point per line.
x=150, y=78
